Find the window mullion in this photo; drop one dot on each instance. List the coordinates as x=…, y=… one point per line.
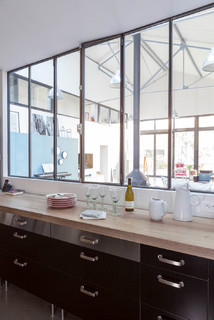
x=55, y=118
x=170, y=105
x=29, y=120
x=82, y=114
x=122, y=107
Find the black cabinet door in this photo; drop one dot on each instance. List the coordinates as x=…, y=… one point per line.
x=26, y=274
x=211, y=290
x=108, y=271
x=24, y=243
x=90, y=302
x=175, y=261
x=179, y=294
x=151, y=313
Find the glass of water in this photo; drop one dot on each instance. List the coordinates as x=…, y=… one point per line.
x=115, y=196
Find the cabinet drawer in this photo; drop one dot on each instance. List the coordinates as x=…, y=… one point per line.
x=93, y=303
x=24, y=243
x=175, y=261
x=150, y=313
x=26, y=274
x=117, y=247
x=176, y=293
x=32, y=225
x=25, y=223
x=118, y=274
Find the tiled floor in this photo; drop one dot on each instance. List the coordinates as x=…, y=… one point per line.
x=17, y=304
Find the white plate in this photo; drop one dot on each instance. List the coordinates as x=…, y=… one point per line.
x=59, y=196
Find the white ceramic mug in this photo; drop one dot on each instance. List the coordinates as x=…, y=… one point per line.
x=157, y=209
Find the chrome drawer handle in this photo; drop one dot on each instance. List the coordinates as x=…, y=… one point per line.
x=88, y=293
x=83, y=256
x=88, y=240
x=16, y=261
x=21, y=222
x=170, y=283
x=161, y=318
x=174, y=263
x=19, y=236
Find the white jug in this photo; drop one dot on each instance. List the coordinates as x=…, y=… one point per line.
x=182, y=209
x=157, y=209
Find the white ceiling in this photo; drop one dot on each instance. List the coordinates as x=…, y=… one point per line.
x=31, y=30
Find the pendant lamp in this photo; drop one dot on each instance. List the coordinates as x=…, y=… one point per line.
x=115, y=80
x=209, y=62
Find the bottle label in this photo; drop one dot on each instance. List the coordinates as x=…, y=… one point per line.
x=129, y=204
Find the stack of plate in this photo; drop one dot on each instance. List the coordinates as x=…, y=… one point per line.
x=61, y=200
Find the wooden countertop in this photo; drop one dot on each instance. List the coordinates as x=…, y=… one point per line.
x=196, y=237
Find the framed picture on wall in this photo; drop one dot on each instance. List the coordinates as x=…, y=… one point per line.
x=14, y=121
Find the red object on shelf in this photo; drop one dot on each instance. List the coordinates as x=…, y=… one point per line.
x=180, y=170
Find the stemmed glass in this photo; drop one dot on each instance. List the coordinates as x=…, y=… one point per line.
x=115, y=195
x=87, y=192
x=102, y=193
x=94, y=195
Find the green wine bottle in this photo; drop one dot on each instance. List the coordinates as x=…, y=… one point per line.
x=129, y=197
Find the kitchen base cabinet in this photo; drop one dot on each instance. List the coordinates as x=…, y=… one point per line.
x=150, y=313
x=26, y=274
x=169, y=283
x=91, y=302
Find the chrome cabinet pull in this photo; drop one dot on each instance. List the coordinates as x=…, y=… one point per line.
x=88, y=293
x=161, y=318
x=174, y=263
x=92, y=259
x=170, y=283
x=21, y=222
x=19, y=236
x=16, y=262
x=88, y=240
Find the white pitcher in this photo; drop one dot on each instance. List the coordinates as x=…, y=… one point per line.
x=157, y=209
x=182, y=209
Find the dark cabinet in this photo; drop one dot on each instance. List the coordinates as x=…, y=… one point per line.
x=175, y=283
x=108, y=271
x=26, y=274
x=92, y=302
x=88, y=283
x=151, y=313
x=94, y=278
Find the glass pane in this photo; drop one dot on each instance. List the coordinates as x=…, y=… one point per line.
x=184, y=123
x=162, y=124
x=206, y=150
x=193, y=92
x=147, y=125
x=146, y=97
x=68, y=118
x=184, y=154
x=42, y=122
x=42, y=85
x=115, y=116
x=206, y=121
x=102, y=87
x=19, y=86
x=19, y=155
x=147, y=154
x=104, y=115
x=192, y=86
x=161, y=154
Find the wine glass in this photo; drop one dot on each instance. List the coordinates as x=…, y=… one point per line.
x=115, y=195
x=87, y=192
x=102, y=193
x=94, y=195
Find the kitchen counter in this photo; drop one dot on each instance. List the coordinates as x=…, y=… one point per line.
x=194, y=238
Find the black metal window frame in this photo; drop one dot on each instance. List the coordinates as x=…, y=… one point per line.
x=81, y=49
